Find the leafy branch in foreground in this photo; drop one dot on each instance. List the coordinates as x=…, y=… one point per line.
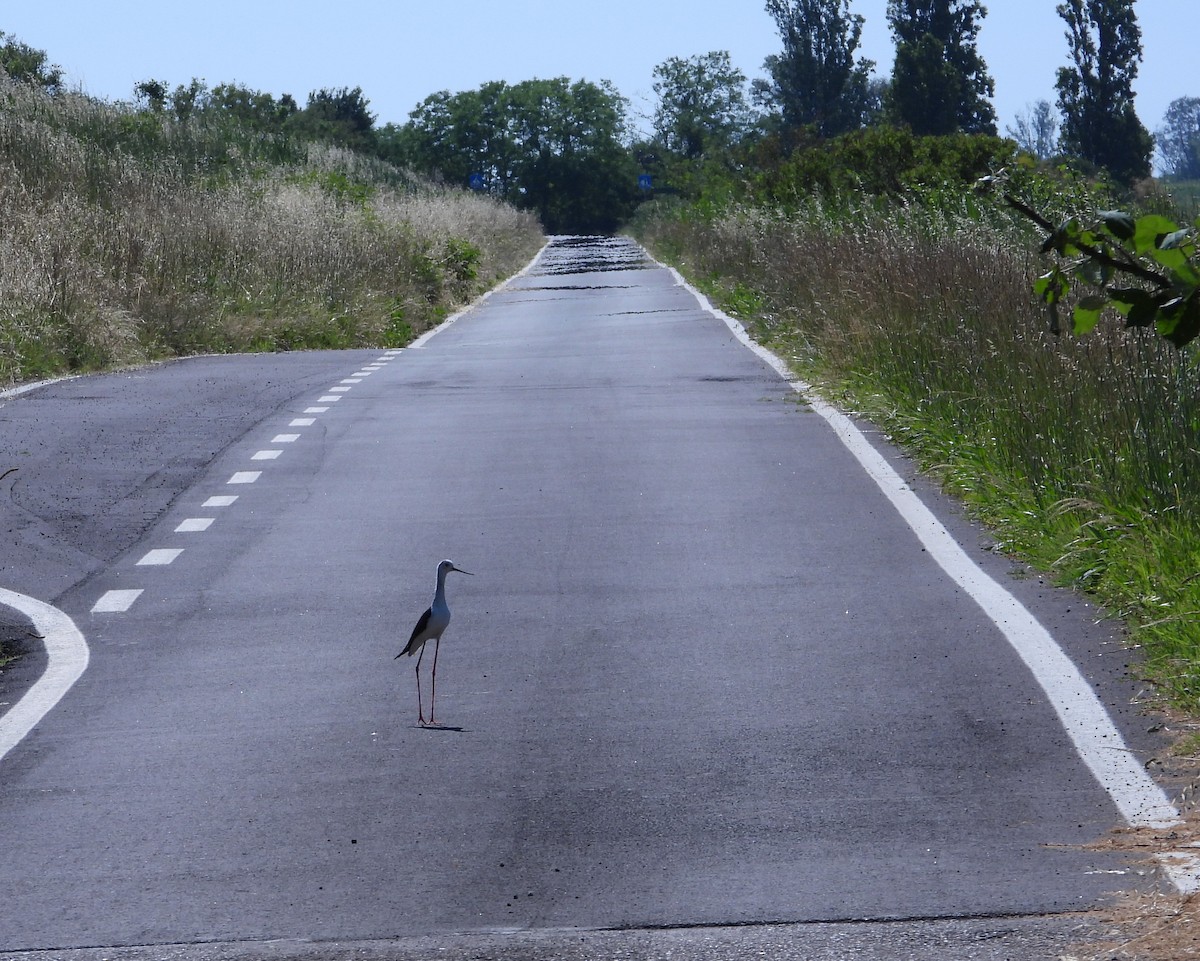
x=1146, y=268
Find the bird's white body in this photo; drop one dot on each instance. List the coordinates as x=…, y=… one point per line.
x=430, y=627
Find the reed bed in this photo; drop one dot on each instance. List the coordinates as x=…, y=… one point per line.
x=1081, y=454
x=128, y=235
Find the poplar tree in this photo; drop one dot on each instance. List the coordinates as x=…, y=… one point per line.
x=816, y=81
x=940, y=83
x=1095, y=93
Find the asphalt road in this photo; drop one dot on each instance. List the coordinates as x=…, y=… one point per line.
x=704, y=680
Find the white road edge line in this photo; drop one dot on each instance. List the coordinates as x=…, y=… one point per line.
x=425, y=337
x=1139, y=798
x=67, y=654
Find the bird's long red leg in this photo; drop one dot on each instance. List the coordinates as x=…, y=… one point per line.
x=420, y=710
x=433, y=697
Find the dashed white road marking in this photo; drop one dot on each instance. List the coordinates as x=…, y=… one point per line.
x=339, y=390
x=221, y=500
x=267, y=455
x=329, y=399
x=350, y=380
x=315, y=410
x=116, y=602
x=303, y=422
x=160, y=557
x=245, y=477
x=194, y=525
x=285, y=438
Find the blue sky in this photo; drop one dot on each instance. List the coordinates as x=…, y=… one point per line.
x=400, y=51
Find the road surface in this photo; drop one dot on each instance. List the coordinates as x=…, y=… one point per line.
x=706, y=688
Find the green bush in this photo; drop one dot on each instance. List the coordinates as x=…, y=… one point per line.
x=881, y=161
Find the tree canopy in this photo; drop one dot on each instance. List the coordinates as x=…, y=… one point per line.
x=1178, y=139
x=27, y=64
x=1095, y=93
x=816, y=81
x=940, y=83
x=554, y=146
x=1036, y=130
x=702, y=104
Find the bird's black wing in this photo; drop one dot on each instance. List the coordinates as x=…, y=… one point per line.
x=423, y=623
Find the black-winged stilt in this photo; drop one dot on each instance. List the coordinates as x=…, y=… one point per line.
x=429, y=628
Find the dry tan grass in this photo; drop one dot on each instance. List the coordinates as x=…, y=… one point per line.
x=125, y=237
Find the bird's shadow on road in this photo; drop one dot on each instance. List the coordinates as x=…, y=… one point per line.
x=442, y=727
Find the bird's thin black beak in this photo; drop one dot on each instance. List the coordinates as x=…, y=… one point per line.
x=461, y=571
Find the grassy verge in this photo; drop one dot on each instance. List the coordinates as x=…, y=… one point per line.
x=131, y=235
x=1082, y=455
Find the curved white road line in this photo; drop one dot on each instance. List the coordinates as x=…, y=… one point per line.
x=1139, y=798
x=67, y=652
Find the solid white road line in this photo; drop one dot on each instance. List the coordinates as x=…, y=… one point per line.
x=1138, y=797
x=67, y=654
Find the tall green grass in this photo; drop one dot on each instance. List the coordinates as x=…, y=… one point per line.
x=1082, y=454
x=127, y=235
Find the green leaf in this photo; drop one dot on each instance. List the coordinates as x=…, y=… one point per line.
x=1176, y=240
x=1179, y=320
x=1138, y=307
x=1150, y=231
x=1052, y=287
x=1062, y=236
x=1118, y=223
x=1087, y=314
x=1172, y=258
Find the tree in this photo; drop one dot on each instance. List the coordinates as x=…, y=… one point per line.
x=1036, y=130
x=553, y=146
x=338, y=116
x=153, y=93
x=940, y=84
x=816, y=81
x=26, y=64
x=1178, y=139
x=702, y=105
x=1095, y=94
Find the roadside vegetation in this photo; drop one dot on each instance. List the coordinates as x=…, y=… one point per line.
x=1080, y=453
x=192, y=224
x=867, y=254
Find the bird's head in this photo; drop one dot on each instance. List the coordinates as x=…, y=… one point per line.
x=445, y=567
